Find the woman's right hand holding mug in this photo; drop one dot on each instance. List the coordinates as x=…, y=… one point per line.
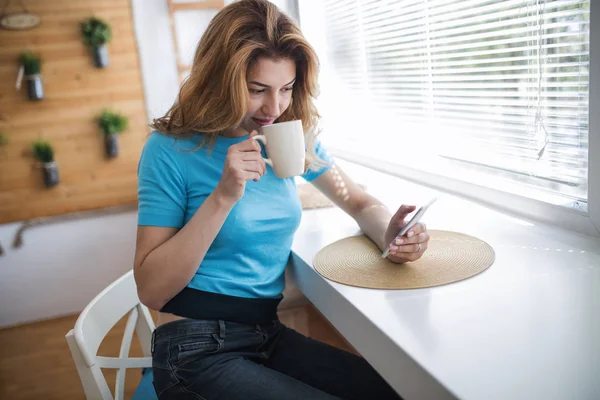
x=242, y=163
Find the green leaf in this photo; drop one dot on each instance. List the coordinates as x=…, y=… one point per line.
x=42, y=151
x=112, y=123
x=95, y=32
x=31, y=62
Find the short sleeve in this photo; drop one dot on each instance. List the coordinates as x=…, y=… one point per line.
x=322, y=153
x=161, y=184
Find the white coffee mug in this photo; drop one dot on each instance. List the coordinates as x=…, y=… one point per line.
x=284, y=142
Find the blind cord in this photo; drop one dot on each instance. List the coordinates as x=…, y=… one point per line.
x=539, y=118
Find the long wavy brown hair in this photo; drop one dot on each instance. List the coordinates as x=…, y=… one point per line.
x=214, y=97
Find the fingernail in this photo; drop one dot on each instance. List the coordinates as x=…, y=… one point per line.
x=410, y=234
x=399, y=241
x=393, y=248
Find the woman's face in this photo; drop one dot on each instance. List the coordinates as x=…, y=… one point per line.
x=270, y=84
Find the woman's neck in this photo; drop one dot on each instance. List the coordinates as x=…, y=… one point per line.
x=235, y=132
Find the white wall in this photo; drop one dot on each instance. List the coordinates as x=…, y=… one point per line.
x=62, y=266
x=157, y=55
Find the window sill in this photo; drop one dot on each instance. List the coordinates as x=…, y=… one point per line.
x=518, y=206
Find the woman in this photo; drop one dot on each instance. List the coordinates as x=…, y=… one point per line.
x=216, y=224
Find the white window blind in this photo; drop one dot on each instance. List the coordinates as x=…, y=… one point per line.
x=499, y=88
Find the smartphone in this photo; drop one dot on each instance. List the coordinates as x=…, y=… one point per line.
x=416, y=217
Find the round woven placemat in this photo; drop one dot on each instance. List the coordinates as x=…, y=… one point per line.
x=450, y=257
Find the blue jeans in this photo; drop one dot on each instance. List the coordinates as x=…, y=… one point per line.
x=215, y=359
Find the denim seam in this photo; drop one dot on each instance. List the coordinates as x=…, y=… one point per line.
x=262, y=338
x=220, y=345
x=175, y=374
x=171, y=370
x=200, y=345
x=169, y=388
x=193, y=393
x=201, y=333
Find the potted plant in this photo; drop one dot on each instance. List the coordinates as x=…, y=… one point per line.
x=43, y=152
x=31, y=63
x=112, y=124
x=96, y=33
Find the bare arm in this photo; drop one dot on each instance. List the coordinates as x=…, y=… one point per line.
x=167, y=258
x=370, y=214
x=374, y=219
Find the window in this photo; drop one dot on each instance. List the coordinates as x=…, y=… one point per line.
x=491, y=92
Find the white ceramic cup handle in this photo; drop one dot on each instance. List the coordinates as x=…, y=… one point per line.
x=263, y=139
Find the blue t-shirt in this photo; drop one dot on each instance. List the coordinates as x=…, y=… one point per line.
x=250, y=252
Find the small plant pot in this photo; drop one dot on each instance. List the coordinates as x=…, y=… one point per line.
x=112, y=145
x=51, y=177
x=35, y=87
x=100, y=54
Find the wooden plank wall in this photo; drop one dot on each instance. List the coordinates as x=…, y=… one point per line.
x=75, y=94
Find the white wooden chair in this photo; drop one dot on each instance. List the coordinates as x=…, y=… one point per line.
x=94, y=322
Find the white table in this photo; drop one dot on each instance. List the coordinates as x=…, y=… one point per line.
x=526, y=328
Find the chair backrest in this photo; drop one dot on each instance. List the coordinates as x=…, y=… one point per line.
x=94, y=322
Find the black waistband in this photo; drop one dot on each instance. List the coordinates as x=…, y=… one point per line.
x=198, y=304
